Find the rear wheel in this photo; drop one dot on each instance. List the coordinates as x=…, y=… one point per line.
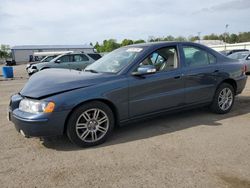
x=223, y=99
x=90, y=124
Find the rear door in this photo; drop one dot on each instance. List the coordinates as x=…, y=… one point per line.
x=64, y=62
x=80, y=61
x=201, y=74
x=161, y=90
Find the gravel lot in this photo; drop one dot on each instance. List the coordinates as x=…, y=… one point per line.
x=195, y=148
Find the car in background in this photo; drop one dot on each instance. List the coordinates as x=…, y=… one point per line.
x=244, y=57
x=45, y=59
x=48, y=58
x=77, y=61
x=130, y=83
x=10, y=62
x=229, y=52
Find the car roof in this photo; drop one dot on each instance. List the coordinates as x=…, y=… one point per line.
x=163, y=43
x=242, y=52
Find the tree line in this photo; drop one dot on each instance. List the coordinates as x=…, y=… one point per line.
x=4, y=51
x=112, y=44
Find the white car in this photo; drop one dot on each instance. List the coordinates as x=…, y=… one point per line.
x=243, y=57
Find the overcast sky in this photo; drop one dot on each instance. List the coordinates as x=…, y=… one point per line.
x=83, y=21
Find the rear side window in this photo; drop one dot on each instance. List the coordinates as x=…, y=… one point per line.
x=80, y=57
x=195, y=57
x=65, y=58
x=95, y=56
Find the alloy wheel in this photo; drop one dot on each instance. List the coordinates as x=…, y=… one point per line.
x=92, y=125
x=225, y=99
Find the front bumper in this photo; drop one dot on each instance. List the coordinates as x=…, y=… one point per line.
x=36, y=125
x=30, y=70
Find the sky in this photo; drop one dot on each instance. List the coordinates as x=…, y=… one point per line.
x=25, y=22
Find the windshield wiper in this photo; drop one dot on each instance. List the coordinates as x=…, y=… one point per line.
x=91, y=70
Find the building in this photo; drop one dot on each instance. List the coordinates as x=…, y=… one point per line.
x=25, y=53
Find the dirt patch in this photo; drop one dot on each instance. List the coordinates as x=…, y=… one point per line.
x=235, y=182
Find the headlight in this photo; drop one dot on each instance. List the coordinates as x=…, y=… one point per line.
x=35, y=106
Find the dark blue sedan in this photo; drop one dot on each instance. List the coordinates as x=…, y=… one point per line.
x=132, y=82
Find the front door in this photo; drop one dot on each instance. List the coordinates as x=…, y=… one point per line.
x=161, y=90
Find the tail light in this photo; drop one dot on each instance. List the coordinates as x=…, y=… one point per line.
x=244, y=69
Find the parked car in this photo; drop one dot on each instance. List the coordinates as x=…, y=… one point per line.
x=45, y=59
x=132, y=82
x=48, y=58
x=77, y=61
x=229, y=52
x=243, y=57
x=10, y=62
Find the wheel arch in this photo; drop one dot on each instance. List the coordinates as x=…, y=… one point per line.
x=105, y=101
x=44, y=68
x=230, y=81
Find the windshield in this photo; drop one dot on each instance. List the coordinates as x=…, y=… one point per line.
x=48, y=58
x=115, y=61
x=239, y=55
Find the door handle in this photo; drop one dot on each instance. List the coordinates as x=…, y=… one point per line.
x=177, y=77
x=216, y=71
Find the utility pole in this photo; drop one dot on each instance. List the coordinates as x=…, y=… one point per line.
x=225, y=36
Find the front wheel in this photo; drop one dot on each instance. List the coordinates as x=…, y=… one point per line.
x=90, y=124
x=224, y=99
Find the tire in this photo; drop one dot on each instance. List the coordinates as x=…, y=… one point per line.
x=90, y=124
x=223, y=99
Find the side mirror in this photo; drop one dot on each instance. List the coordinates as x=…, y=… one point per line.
x=58, y=61
x=145, y=69
x=248, y=58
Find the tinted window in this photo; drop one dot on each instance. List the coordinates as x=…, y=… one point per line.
x=80, y=57
x=95, y=56
x=65, y=58
x=197, y=57
x=164, y=59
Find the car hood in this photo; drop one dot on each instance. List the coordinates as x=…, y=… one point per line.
x=40, y=64
x=53, y=81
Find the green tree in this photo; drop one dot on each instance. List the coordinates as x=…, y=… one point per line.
x=109, y=45
x=211, y=37
x=244, y=37
x=180, y=39
x=97, y=47
x=139, y=41
x=233, y=38
x=169, y=38
x=193, y=38
x=4, y=51
x=126, y=42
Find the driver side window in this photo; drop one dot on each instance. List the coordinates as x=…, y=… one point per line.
x=164, y=59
